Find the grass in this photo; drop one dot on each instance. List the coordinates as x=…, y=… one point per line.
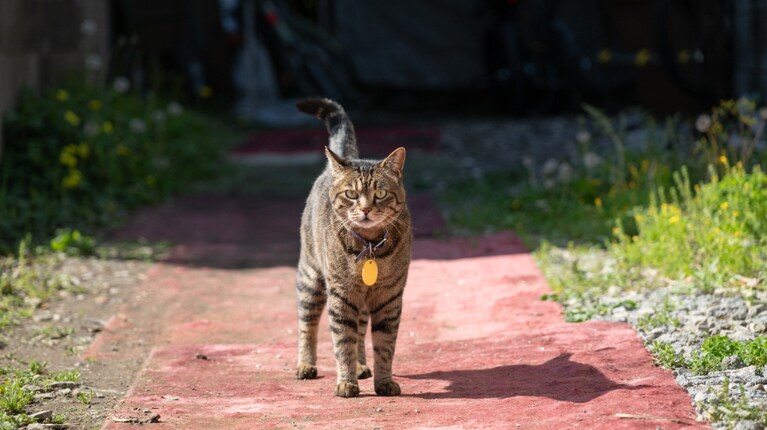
x=657, y=318
x=25, y=282
x=666, y=356
x=716, y=348
x=709, y=357
x=15, y=393
x=714, y=231
x=33, y=276
x=732, y=407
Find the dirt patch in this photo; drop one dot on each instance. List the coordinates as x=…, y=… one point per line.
x=62, y=328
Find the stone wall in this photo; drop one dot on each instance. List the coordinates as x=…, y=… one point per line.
x=43, y=42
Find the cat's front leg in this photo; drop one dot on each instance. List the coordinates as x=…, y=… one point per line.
x=311, y=301
x=384, y=317
x=343, y=314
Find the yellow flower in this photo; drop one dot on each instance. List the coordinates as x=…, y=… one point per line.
x=122, y=150
x=68, y=159
x=638, y=218
x=206, y=91
x=616, y=231
x=735, y=214
x=634, y=238
x=94, y=104
x=107, y=127
x=642, y=57
x=724, y=206
x=83, y=150
x=604, y=56
x=62, y=95
x=737, y=234
x=674, y=219
x=723, y=159
x=598, y=202
x=73, y=179
x=72, y=118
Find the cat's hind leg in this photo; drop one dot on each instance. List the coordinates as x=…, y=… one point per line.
x=311, y=301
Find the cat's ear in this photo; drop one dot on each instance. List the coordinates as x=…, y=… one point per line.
x=395, y=161
x=336, y=162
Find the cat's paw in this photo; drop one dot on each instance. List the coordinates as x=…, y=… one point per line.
x=347, y=389
x=387, y=388
x=306, y=371
x=363, y=372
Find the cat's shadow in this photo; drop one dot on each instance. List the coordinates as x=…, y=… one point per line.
x=559, y=378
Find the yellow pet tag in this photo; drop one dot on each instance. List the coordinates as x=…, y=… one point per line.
x=369, y=272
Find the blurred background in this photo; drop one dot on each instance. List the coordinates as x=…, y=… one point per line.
x=111, y=105
x=512, y=57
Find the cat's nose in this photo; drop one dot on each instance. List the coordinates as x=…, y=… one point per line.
x=366, y=210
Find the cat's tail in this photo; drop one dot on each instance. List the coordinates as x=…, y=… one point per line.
x=342, y=138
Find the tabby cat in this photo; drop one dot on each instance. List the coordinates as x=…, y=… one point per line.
x=355, y=217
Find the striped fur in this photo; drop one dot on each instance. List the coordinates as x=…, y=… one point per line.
x=367, y=196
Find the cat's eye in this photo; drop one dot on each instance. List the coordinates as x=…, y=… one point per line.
x=351, y=194
x=380, y=194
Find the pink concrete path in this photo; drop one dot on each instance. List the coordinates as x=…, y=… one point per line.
x=477, y=346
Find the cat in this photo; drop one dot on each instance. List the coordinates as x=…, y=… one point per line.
x=356, y=216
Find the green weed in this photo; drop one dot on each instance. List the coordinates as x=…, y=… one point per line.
x=715, y=348
x=85, y=396
x=660, y=317
x=69, y=375
x=27, y=281
x=14, y=397
x=712, y=231
x=72, y=242
x=81, y=157
x=730, y=409
x=666, y=356
x=55, y=332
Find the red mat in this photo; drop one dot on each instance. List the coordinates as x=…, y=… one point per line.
x=373, y=141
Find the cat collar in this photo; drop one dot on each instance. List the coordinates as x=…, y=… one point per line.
x=370, y=248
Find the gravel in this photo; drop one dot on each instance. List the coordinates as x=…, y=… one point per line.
x=694, y=316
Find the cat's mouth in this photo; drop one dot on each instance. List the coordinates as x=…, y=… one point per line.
x=366, y=222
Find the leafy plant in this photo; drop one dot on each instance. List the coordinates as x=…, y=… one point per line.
x=72, y=242
x=81, y=157
x=14, y=397
x=715, y=348
x=666, y=356
x=85, y=396
x=730, y=408
x=660, y=317
x=719, y=229
x=68, y=375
